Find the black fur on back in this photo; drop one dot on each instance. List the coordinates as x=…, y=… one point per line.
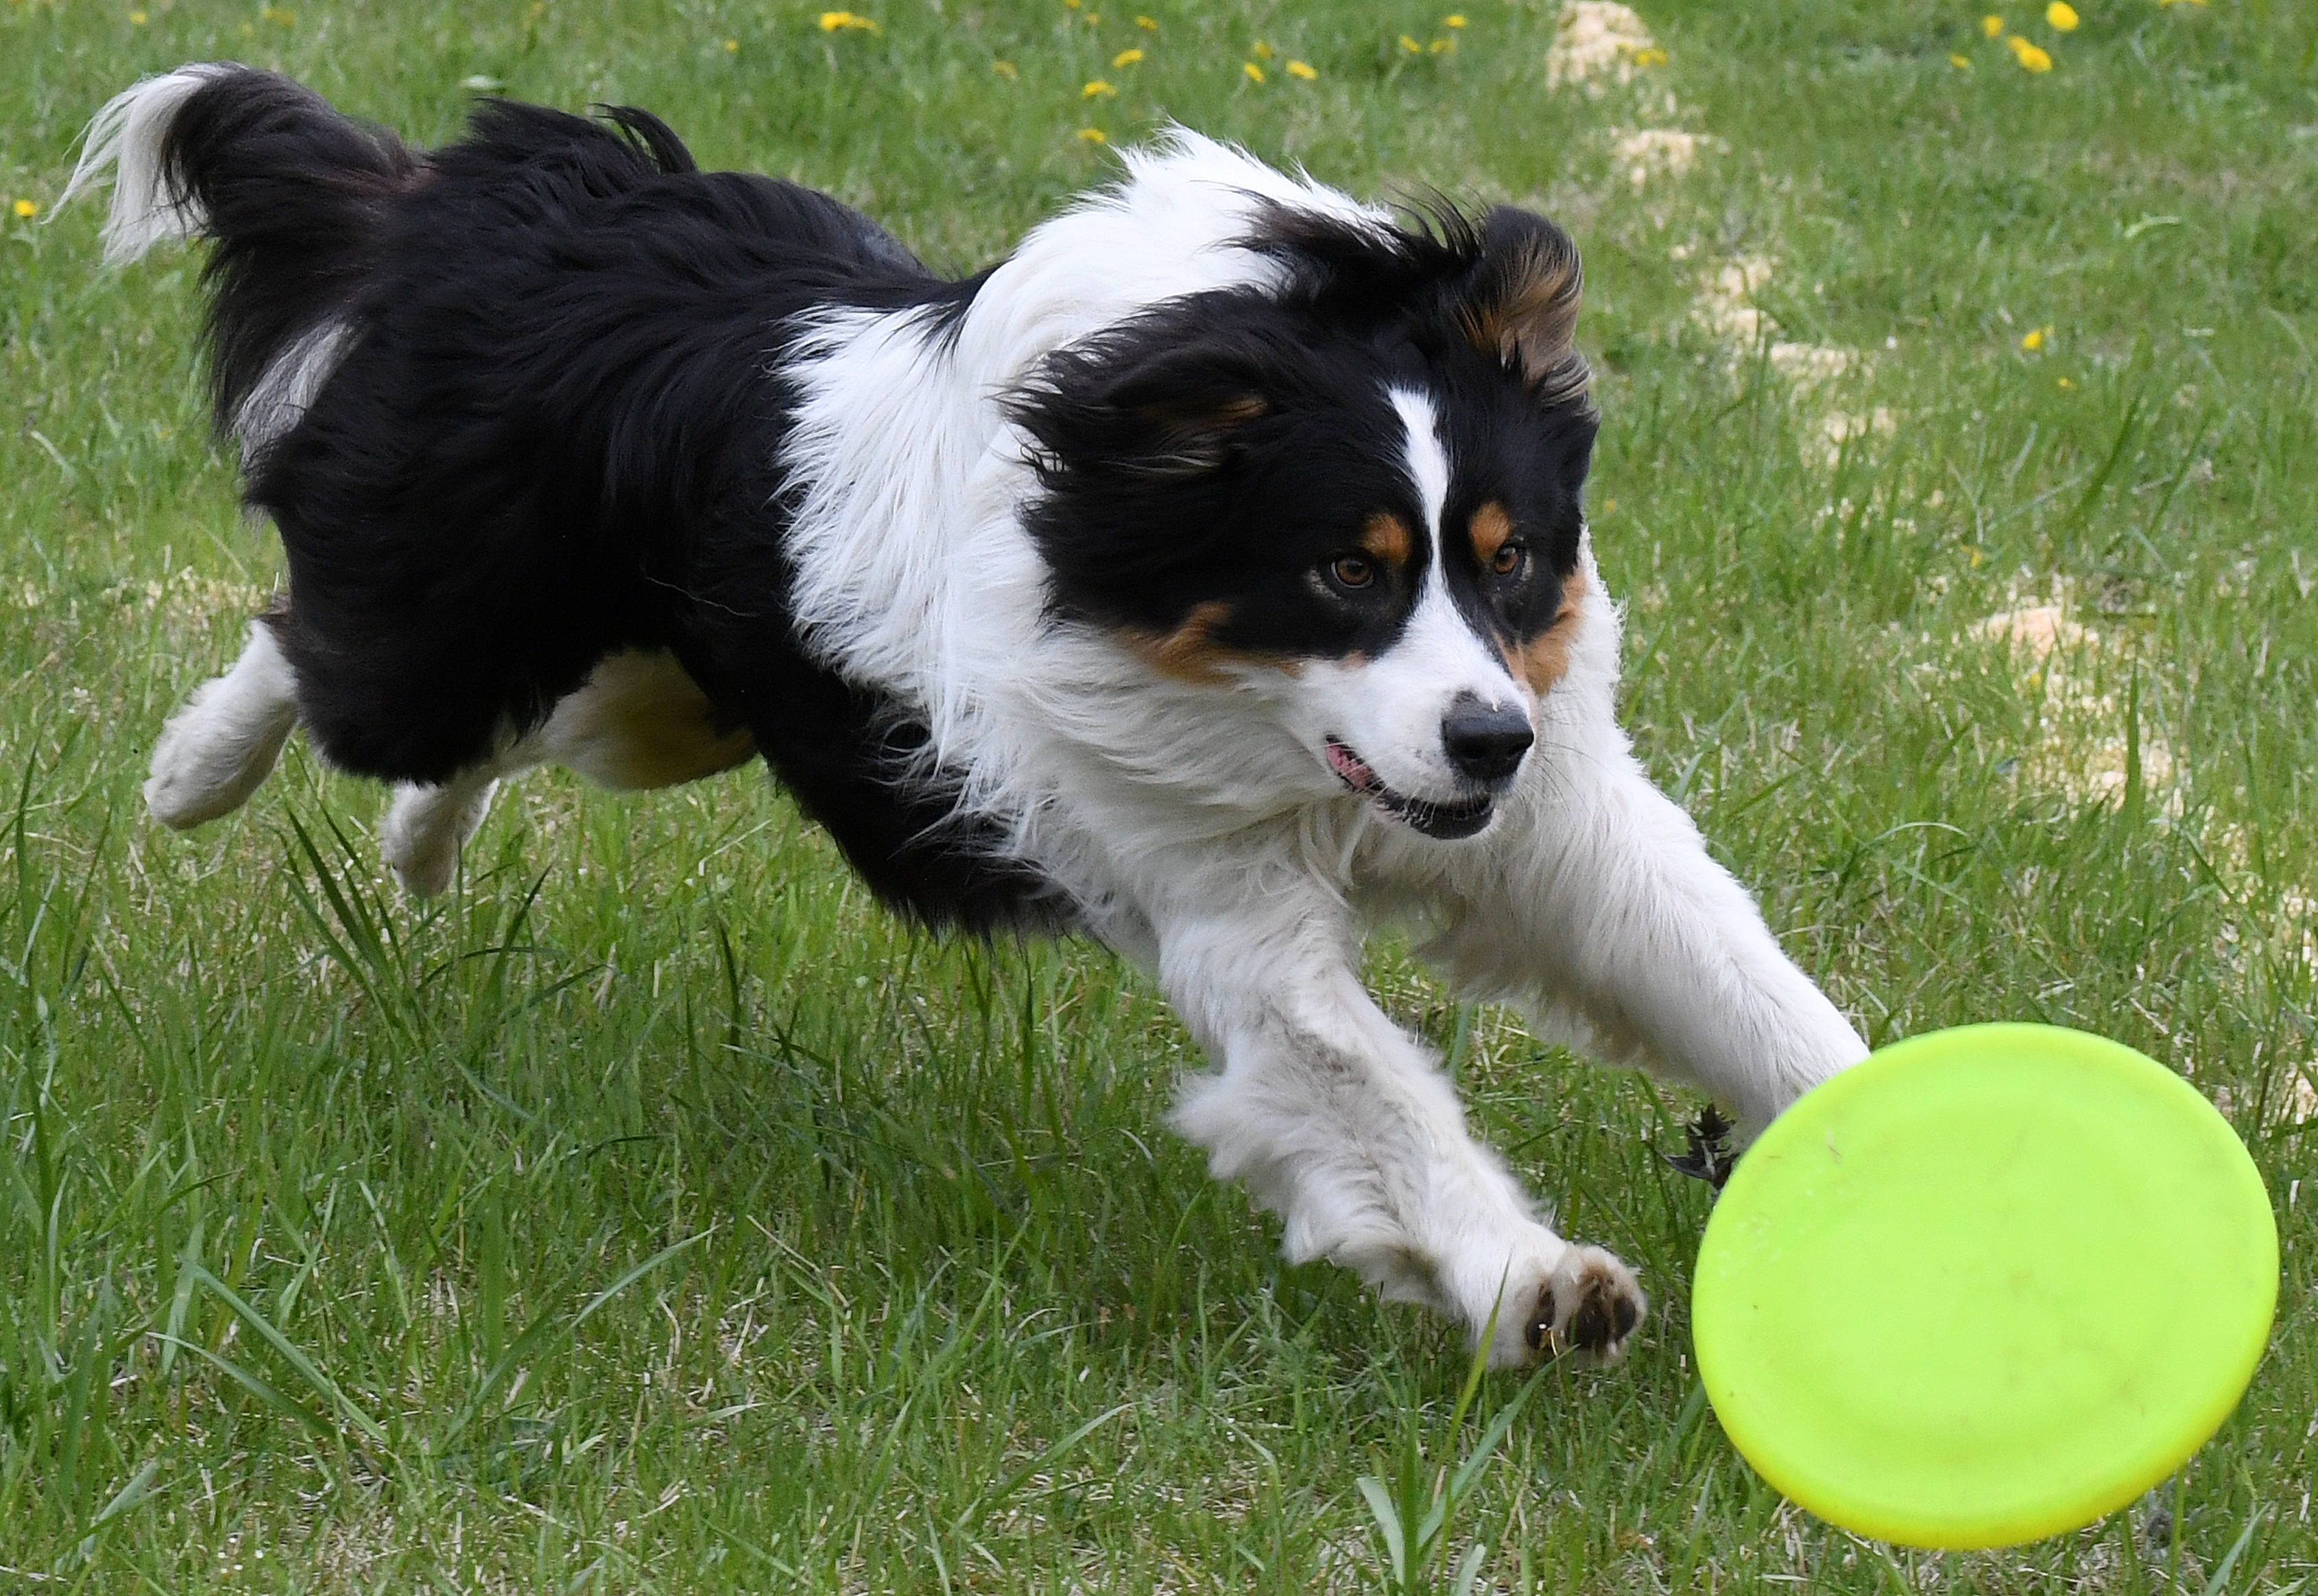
x=554, y=434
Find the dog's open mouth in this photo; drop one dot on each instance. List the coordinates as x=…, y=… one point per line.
x=1448, y=822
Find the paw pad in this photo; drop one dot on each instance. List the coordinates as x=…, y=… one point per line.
x=1593, y=1312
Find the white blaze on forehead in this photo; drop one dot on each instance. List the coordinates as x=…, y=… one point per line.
x=1427, y=461
x=1389, y=709
x=1439, y=656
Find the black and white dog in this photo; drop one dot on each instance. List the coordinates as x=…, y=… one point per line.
x=1209, y=576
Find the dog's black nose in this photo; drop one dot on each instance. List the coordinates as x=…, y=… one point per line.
x=1484, y=741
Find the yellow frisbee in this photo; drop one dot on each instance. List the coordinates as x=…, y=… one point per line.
x=1988, y=1285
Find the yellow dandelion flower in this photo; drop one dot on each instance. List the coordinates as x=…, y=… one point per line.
x=135, y=19
x=1092, y=136
x=1005, y=69
x=1453, y=20
x=1411, y=45
x=1991, y=25
x=1127, y=58
x=1098, y=90
x=1441, y=47
x=1263, y=52
x=1255, y=73
x=272, y=14
x=1092, y=17
x=25, y=208
x=1147, y=24
x=1072, y=5
x=2066, y=383
x=2061, y=16
x=1974, y=562
x=1652, y=57
x=2030, y=55
x=1960, y=63
x=2034, y=339
x=732, y=47
x=1298, y=69
x=833, y=21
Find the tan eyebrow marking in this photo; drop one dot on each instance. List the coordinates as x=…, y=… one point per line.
x=1387, y=537
x=1544, y=659
x=1190, y=653
x=1488, y=529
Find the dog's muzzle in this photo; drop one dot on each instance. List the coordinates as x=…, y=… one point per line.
x=1445, y=822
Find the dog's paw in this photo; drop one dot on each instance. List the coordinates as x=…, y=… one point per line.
x=207, y=764
x=1708, y=1156
x=425, y=829
x=1590, y=1305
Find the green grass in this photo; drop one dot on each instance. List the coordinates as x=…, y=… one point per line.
x=656, y=1215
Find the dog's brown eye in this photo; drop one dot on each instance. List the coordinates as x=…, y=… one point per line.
x=1352, y=571
x=1509, y=559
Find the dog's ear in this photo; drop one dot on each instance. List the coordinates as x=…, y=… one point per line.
x=1521, y=303
x=1184, y=410
x=1154, y=414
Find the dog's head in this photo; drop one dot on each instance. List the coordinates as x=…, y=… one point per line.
x=1359, y=489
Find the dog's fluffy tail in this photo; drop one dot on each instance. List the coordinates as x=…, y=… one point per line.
x=293, y=193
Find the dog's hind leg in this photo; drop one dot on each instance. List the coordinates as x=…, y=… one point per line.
x=638, y=721
x=221, y=747
x=426, y=827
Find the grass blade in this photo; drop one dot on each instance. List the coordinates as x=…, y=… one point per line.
x=2220, y=1582
x=308, y=1370
x=1469, y=1569
x=139, y=1487
x=253, y=1383
x=988, y=1501
x=1388, y=1522
x=535, y=1334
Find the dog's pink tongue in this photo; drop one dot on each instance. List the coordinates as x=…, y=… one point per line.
x=1347, y=764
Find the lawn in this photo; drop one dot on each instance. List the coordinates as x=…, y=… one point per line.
x=656, y=1213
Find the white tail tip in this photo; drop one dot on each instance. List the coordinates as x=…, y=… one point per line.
x=125, y=139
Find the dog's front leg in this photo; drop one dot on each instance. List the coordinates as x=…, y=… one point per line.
x=1341, y=1123
x=1595, y=901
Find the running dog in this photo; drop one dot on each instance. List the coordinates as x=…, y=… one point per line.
x=1211, y=577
